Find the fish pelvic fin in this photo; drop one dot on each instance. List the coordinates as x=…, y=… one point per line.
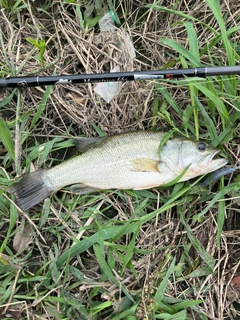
x=31, y=189
x=145, y=165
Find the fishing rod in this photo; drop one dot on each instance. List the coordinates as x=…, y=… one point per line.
x=35, y=81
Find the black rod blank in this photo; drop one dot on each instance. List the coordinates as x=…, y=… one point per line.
x=35, y=81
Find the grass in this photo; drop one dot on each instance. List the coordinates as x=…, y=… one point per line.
x=166, y=253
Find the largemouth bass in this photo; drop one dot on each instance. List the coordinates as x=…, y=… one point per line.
x=122, y=161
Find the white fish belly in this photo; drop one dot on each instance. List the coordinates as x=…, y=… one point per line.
x=113, y=175
x=128, y=180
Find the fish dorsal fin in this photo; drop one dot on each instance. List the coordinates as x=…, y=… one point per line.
x=145, y=165
x=83, y=144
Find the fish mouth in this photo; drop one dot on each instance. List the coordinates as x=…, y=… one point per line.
x=213, y=160
x=214, y=155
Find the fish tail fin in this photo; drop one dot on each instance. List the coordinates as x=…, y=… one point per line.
x=31, y=189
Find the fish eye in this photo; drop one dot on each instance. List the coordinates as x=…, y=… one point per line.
x=201, y=146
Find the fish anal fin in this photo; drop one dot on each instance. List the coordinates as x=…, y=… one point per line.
x=81, y=188
x=145, y=165
x=150, y=186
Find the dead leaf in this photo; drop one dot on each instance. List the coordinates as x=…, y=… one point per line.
x=235, y=283
x=22, y=238
x=2, y=151
x=76, y=98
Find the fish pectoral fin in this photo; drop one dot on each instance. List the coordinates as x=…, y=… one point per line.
x=145, y=165
x=83, y=144
x=81, y=188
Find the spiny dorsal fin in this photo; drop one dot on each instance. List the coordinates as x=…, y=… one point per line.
x=145, y=165
x=83, y=144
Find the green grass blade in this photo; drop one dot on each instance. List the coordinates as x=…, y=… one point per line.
x=225, y=136
x=220, y=218
x=6, y=138
x=8, y=99
x=215, y=8
x=217, y=101
x=13, y=219
x=122, y=230
x=168, y=135
x=164, y=9
x=106, y=270
x=163, y=285
x=207, y=258
x=193, y=93
x=181, y=50
x=181, y=315
x=163, y=91
x=40, y=108
x=232, y=187
x=130, y=250
x=173, y=182
x=186, y=304
x=101, y=307
x=208, y=122
x=193, y=42
x=187, y=114
x=98, y=130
